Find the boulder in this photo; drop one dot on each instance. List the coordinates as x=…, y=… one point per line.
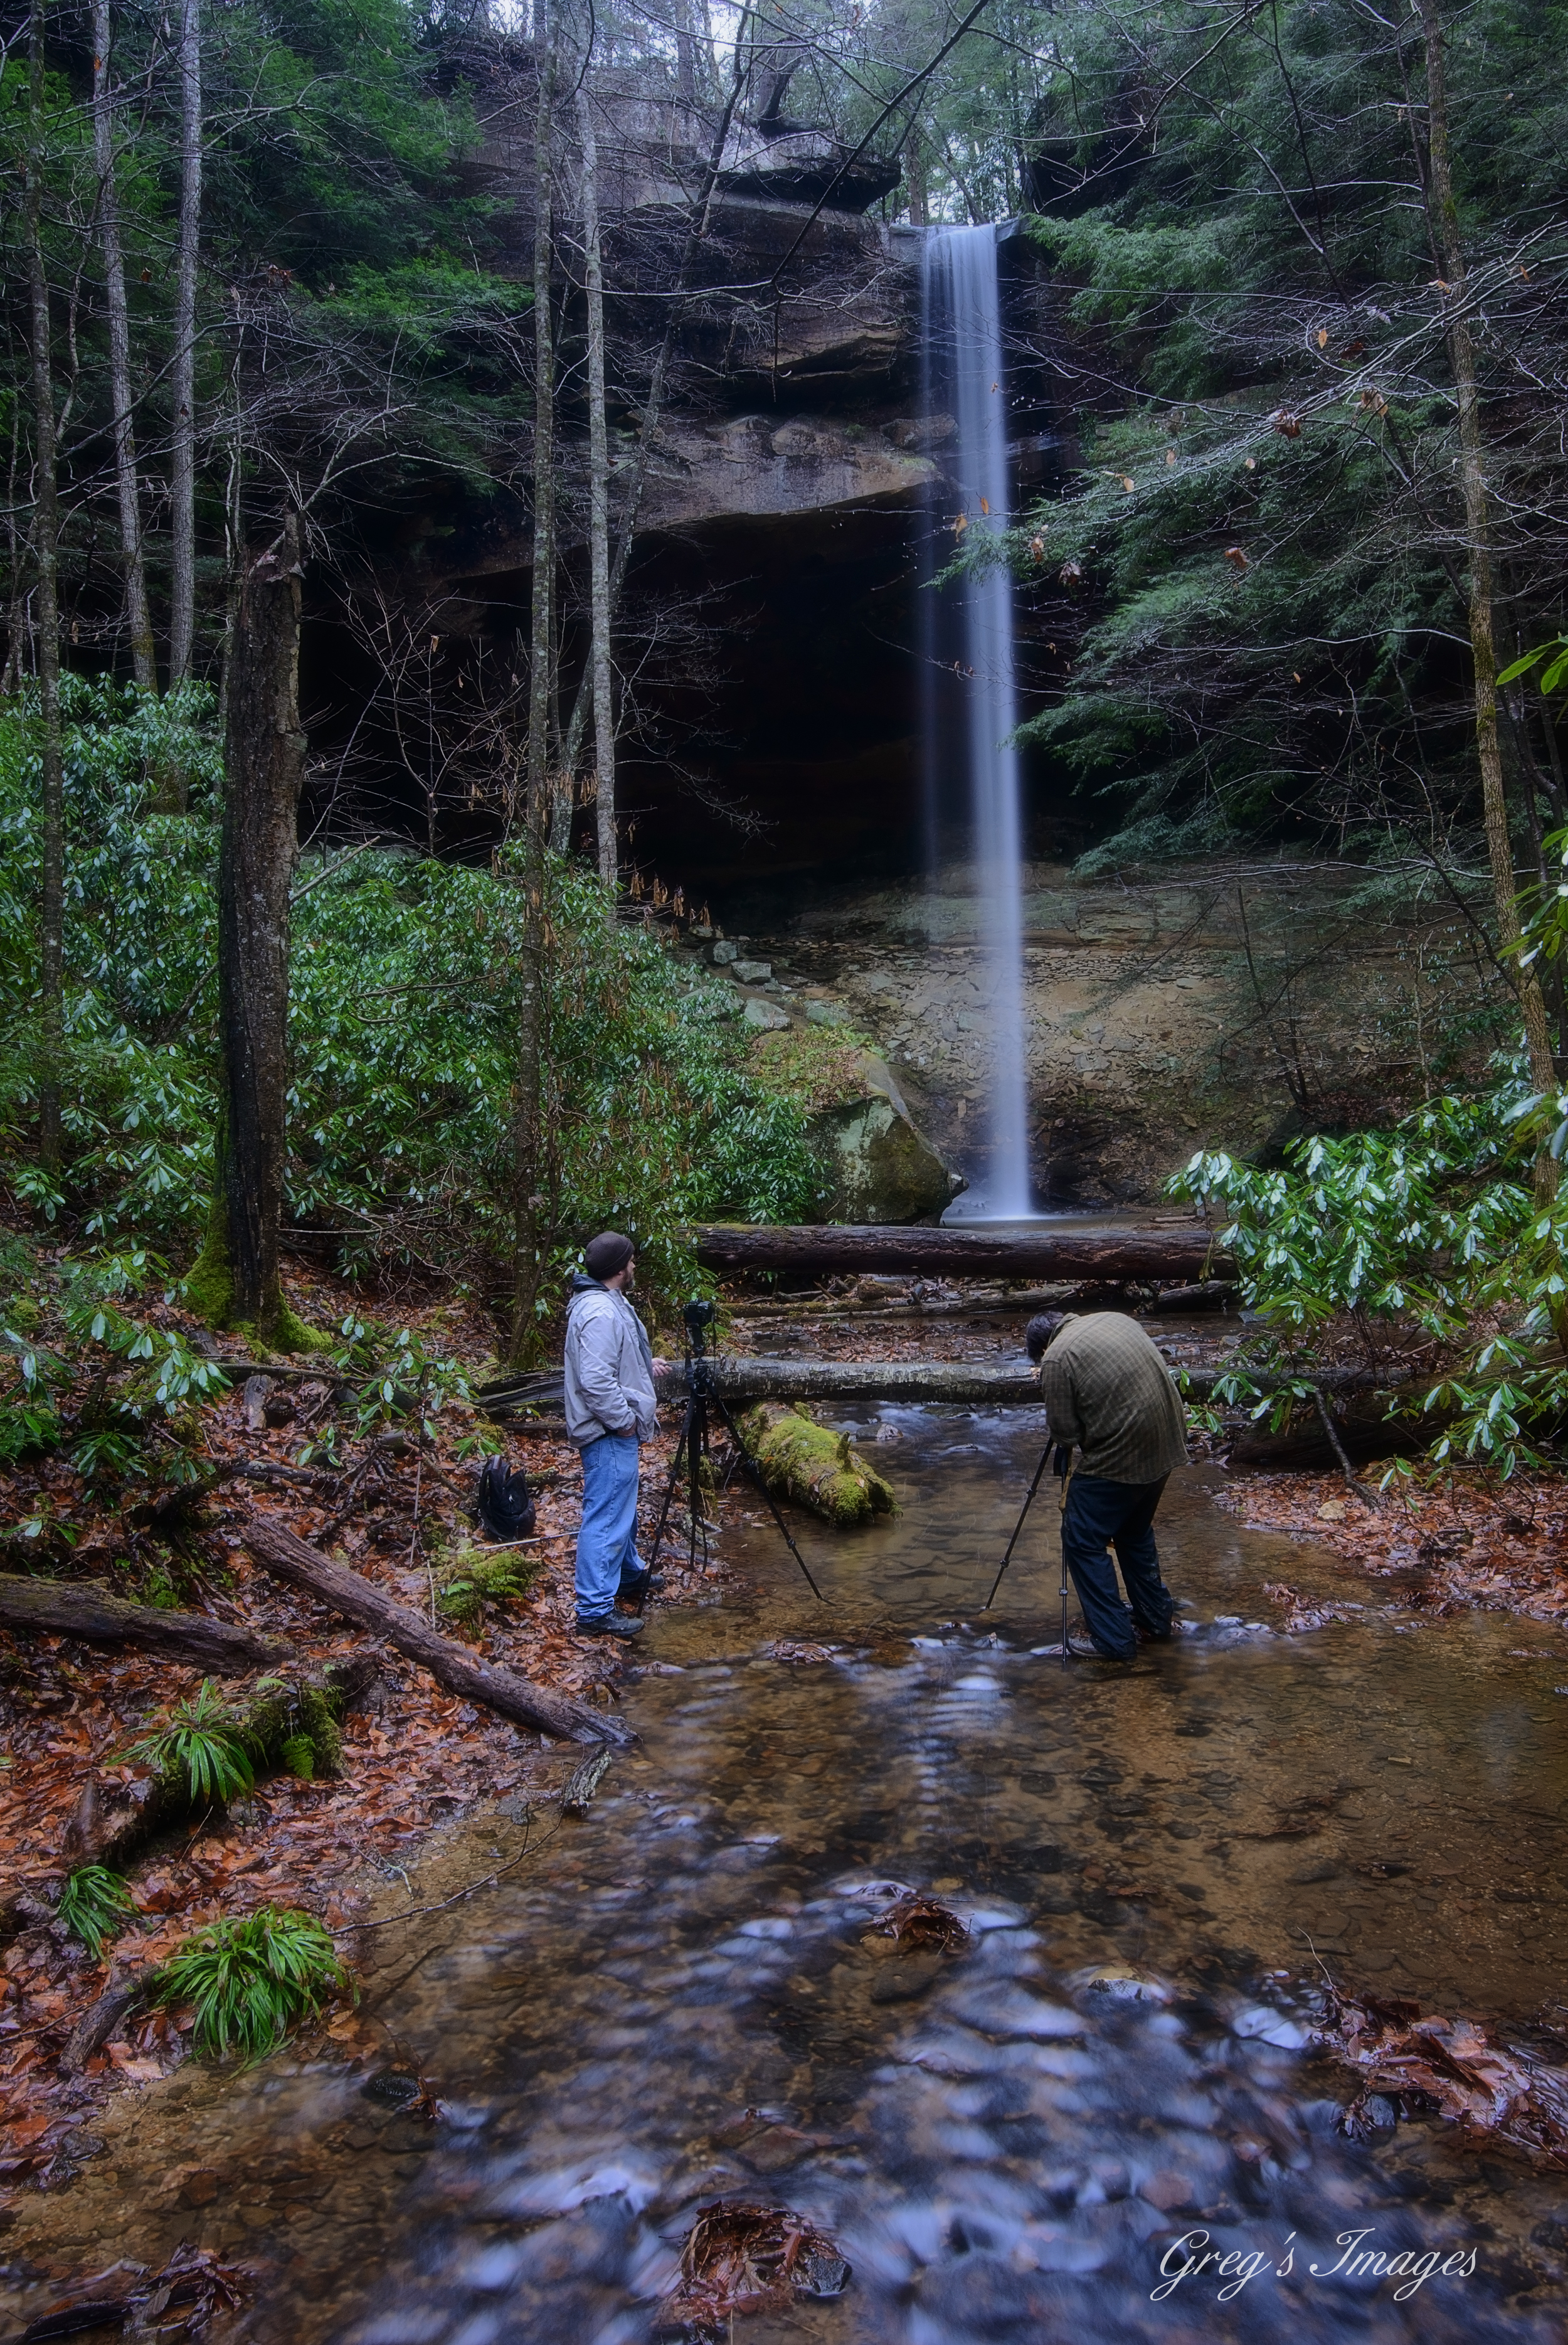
x=879, y=1167
x=766, y=1016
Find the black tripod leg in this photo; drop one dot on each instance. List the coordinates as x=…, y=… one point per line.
x=670, y=1491
x=696, y=1444
x=754, y=1471
x=1017, y=1527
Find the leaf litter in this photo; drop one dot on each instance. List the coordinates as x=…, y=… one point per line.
x=414, y=1756
x=1452, y=2069
x=740, y=2257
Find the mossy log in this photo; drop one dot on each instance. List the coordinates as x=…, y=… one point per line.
x=116, y=1816
x=67, y=1609
x=803, y=1460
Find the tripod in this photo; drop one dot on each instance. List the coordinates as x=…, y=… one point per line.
x=701, y=1397
x=1061, y=1452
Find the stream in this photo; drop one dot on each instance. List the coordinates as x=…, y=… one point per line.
x=673, y=2002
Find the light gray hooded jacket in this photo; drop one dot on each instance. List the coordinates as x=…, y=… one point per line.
x=609, y=1366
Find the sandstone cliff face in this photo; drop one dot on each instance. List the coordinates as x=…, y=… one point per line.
x=1227, y=1007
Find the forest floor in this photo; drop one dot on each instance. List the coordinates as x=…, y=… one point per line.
x=415, y=1757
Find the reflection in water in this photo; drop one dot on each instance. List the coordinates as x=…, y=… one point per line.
x=680, y=2004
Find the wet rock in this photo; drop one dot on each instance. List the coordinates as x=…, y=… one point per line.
x=1168, y=2190
x=1122, y=1984
x=978, y=2295
x=905, y=1981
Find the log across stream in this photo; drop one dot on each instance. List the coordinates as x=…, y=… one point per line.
x=680, y=1997
x=1053, y=1250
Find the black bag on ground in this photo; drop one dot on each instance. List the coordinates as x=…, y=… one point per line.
x=505, y=1504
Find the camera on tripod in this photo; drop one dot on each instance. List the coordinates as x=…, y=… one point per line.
x=699, y=1317
x=705, y=1400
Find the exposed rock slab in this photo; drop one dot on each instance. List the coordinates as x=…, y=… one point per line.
x=754, y=467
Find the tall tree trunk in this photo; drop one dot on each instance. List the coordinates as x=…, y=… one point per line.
x=598, y=502
x=653, y=406
x=182, y=612
x=236, y=1281
x=144, y=662
x=45, y=565
x=1478, y=548
x=527, y=1198
x=685, y=54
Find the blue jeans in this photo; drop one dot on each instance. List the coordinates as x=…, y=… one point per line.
x=607, y=1539
x=1101, y=1515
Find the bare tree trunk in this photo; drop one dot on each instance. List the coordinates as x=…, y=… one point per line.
x=45, y=565
x=685, y=54
x=542, y=670
x=1478, y=538
x=653, y=406
x=598, y=502
x=144, y=659
x=236, y=1282
x=182, y=612
x=528, y=1201
x=17, y=617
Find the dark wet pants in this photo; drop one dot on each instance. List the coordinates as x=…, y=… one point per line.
x=1121, y=1515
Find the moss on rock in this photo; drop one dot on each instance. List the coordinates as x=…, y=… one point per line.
x=819, y=1469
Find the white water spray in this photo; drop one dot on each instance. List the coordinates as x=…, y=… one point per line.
x=964, y=376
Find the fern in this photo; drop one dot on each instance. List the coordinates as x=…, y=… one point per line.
x=199, y=1741
x=253, y=1981
x=93, y=1904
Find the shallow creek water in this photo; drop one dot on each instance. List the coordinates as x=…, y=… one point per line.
x=1005, y=2146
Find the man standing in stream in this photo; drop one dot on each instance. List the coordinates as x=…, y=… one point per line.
x=1109, y=1396
x=610, y=1410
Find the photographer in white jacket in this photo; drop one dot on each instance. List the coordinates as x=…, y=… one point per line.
x=611, y=1409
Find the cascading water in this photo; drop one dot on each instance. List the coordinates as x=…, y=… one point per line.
x=963, y=377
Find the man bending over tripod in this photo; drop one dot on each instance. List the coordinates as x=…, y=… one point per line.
x=611, y=1409
x=1108, y=1394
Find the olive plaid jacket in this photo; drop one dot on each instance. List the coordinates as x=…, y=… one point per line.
x=1107, y=1390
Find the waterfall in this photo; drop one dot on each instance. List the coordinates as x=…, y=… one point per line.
x=962, y=375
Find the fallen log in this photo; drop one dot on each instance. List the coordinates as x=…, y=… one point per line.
x=60, y=1608
x=819, y=1469
x=743, y=1379
x=511, y=1696
x=99, y=2021
x=1047, y=1251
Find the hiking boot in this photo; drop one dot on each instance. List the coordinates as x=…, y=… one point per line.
x=637, y=1585
x=610, y=1624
